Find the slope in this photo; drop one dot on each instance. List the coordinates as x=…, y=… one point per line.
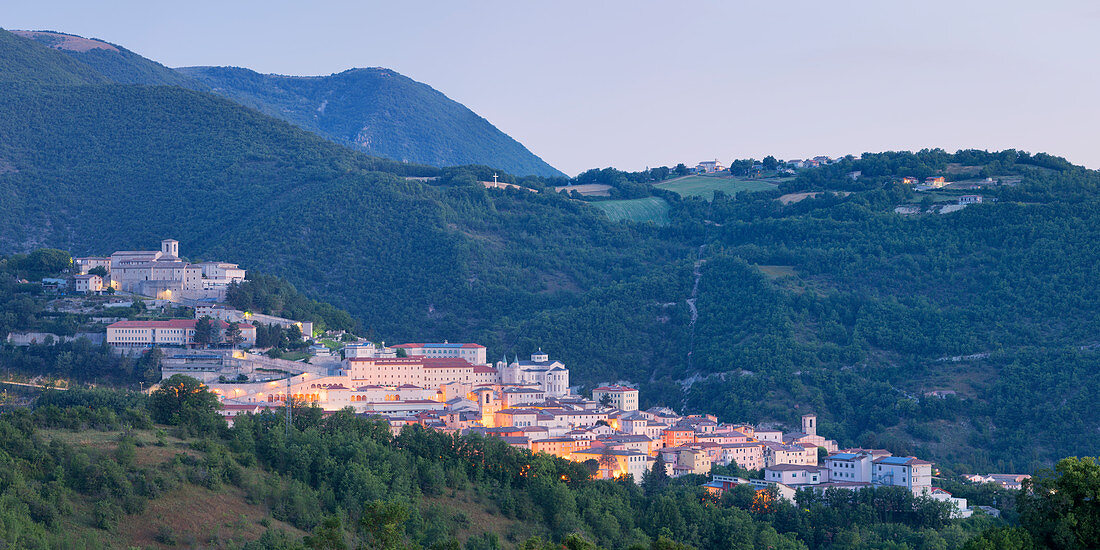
x=115, y=63
x=26, y=62
x=381, y=113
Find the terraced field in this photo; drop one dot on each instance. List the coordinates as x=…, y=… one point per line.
x=705, y=186
x=648, y=209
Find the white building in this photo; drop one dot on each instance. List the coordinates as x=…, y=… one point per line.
x=86, y=264
x=174, y=332
x=620, y=397
x=709, y=166
x=550, y=376
x=88, y=284
x=903, y=471
x=850, y=467
x=164, y=275
x=474, y=353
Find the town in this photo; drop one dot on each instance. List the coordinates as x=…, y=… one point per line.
x=528, y=403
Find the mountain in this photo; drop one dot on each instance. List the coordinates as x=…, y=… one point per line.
x=967, y=337
x=379, y=112
x=111, y=62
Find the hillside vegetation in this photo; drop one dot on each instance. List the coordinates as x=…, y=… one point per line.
x=99, y=468
x=379, y=112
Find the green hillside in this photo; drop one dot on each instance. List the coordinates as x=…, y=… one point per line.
x=26, y=62
x=115, y=63
x=379, y=112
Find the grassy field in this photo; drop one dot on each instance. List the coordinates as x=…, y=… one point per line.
x=649, y=209
x=705, y=186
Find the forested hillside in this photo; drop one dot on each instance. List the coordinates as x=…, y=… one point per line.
x=379, y=112
x=111, y=61
x=967, y=337
x=102, y=468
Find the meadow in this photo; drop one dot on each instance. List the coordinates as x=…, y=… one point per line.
x=648, y=209
x=705, y=186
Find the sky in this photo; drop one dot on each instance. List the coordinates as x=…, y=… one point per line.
x=631, y=84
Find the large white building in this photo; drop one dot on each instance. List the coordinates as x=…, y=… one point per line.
x=550, y=376
x=164, y=275
x=174, y=332
x=620, y=397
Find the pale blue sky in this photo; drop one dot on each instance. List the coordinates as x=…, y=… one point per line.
x=639, y=83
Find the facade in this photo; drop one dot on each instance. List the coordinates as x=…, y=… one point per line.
x=88, y=284
x=474, y=353
x=162, y=274
x=550, y=376
x=970, y=199
x=620, y=397
x=903, y=471
x=88, y=263
x=175, y=332
x=935, y=182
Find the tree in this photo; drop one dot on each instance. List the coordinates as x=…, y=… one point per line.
x=402, y=353
x=204, y=331
x=606, y=400
x=656, y=477
x=98, y=270
x=233, y=334
x=1061, y=509
x=384, y=524
x=184, y=401
x=770, y=163
x=1001, y=538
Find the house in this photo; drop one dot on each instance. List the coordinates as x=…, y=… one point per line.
x=959, y=508
x=850, y=467
x=970, y=199
x=854, y=175
x=796, y=474
x=615, y=464
x=709, y=167
x=88, y=263
x=88, y=284
x=909, y=180
x=621, y=397
x=935, y=182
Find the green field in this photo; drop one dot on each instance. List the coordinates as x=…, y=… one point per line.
x=649, y=209
x=705, y=186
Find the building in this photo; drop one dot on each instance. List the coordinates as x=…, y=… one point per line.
x=86, y=264
x=850, y=467
x=1008, y=481
x=970, y=199
x=474, y=353
x=794, y=474
x=88, y=284
x=620, y=397
x=903, y=471
x=550, y=376
x=709, y=167
x=164, y=275
x=613, y=464
x=935, y=182
x=174, y=332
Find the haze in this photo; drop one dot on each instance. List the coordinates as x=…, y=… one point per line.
x=634, y=84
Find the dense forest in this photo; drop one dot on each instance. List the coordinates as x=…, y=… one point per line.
x=102, y=468
x=967, y=337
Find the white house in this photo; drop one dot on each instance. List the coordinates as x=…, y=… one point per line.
x=88, y=284
x=903, y=471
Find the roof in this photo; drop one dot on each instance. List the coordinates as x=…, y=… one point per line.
x=445, y=363
x=901, y=461
x=614, y=388
x=170, y=323
x=842, y=456
x=444, y=345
